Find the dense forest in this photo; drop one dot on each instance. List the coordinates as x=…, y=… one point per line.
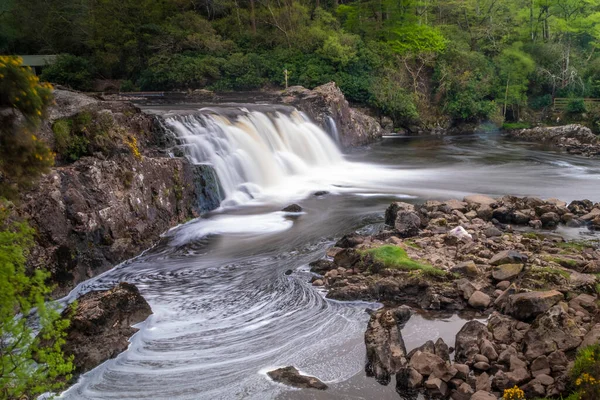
x=410, y=59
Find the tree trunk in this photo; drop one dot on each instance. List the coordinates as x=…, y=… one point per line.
x=253, y=17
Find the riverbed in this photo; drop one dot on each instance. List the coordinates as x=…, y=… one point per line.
x=230, y=291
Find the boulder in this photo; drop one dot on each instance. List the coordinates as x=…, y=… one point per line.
x=291, y=376
x=483, y=395
x=436, y=386
x=467, y=340
x=408, y=378
x=526, y=306
x=466, y=268
x=425, y=363
x=550, y=219
x=508, y=257
x=101, y=325
x=479, y=300
x=386, y=352
x=407, y=224
x=391, y=213
x=507, y=272
x=292, y=208
x=479, y=199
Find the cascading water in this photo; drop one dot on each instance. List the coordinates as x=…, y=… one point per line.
x=253, y=150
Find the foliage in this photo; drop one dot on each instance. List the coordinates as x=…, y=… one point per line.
x=576, y=106
x=395, y=257
x=515, y=125
x=586, y=373
x=72, y=71
x=513, y=393
x=31, y=359
x=22, y=156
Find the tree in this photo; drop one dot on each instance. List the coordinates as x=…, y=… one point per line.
x=23, y=101
x=514, y=67
x=31, y=331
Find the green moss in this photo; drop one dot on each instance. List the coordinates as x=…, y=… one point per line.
x=565, y=262
x=395, y=257
x=572, y=247
x=411, y=243
x=533, y=235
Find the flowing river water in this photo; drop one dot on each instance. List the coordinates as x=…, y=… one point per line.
x=226, y=309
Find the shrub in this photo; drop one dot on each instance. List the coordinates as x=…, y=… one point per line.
x=576, y=106
x=30, y=364
x=586, y=373
x=72, y=71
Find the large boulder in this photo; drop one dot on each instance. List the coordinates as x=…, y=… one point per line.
x=326, y=103
x=101, y=325
x=386, y=352
x=508, y=257
x=291, y=376
x=467, y=341
x=526, y=306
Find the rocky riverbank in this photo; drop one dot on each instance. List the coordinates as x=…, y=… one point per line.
x=496, y=258
x=574, y=138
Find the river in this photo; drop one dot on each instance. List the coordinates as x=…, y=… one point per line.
x=224, y=309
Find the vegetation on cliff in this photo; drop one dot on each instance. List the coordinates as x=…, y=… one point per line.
x=31, y=331
x=473, y=59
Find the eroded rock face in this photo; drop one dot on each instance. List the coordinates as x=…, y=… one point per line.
x=327, y=101
x=291, y=376
x=102, y=325
x=103, y=209
x=386, y=353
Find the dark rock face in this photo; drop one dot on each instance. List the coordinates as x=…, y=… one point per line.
x=575, y=139
x=291, y=376
x=386, y=353
x=101, y=210
x=101, y=325
x=328, y=101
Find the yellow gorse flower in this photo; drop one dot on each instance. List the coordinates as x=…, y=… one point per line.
x=513, y=393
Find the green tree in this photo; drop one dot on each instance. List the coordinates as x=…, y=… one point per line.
x=514, y=67
x=31, y=331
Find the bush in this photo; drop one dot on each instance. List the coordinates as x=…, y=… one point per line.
x=576, y=106
x=586, y=373
x=30, y=364
x=540, y=102
x=72, y=71
x=22, y=156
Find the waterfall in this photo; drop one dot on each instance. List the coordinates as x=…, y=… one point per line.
x=253, y=150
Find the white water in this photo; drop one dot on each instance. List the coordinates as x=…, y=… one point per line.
x=254, y=151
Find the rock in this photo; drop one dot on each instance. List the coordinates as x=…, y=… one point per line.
x=483, y=395
x=444, y=371
x=479, y=300
x=483, y=382
x=327, y=102
x=526, y=306
x=466, y=268
x=516, y=363
x=467, y=340
x=574, y=138
x=318, y=282
x=534, y=389
x=535, y=224
x=292, y=208
x=102, y=325
x=540, y=366
x=408, y=378
x=488, y=350
x=481, y=366
x=386, y=352
x=321, y=266
x=465, y=390
x=291, y=376
x=504, y=297
x=407, y=224
x=442, y=350
x=425, y=363
x=503, y=285
x=591, y=215
x=517, y=376
x=479, y=199
x=558, y=361
x=320, y=193
x=507, y=272
x=550, y=219
x=492, y=231
x=553, y=330
x=508, y=257
x=437, y=386
x=462, y=371
x=520, y=218
x=350, y=241
x=391, y=213
x=544, y=379
x=592, y=337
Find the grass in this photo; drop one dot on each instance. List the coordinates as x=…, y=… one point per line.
x=411, y=243
x=395, y=257
x=515, y=125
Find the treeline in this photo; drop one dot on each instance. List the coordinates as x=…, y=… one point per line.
x=413, y=60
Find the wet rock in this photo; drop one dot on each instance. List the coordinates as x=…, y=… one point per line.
x=467, y=340
x=408, y=378
x=292, y=208
x=436, y=386
x=350, y=241
x=102, y=325
x=526, y=306
x=508, y=257
x=479, y=300
x=386, y=352
x=507, y=272
x=550, y=219
x=321, y=266
x=320, y=193
x=291, y=376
